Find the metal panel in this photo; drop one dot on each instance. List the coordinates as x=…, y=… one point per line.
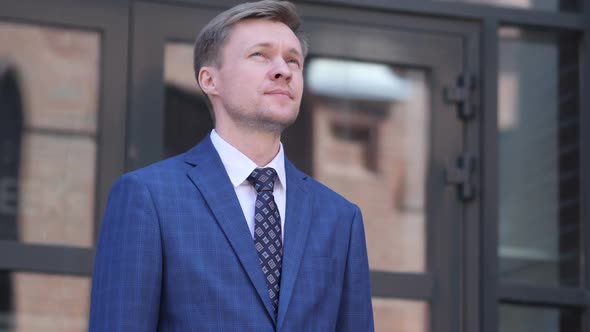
x=46, y=258
x=544, y=295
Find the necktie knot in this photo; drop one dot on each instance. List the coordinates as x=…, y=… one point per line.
x=263, y=179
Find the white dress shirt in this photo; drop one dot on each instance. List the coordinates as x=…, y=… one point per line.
x=238, y=166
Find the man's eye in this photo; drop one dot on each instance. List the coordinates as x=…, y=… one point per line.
x=257, y=54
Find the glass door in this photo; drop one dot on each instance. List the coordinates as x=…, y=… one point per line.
x=379, y=124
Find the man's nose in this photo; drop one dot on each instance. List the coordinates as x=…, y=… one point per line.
x=281, y=70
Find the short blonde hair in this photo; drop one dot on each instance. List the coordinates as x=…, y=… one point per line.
x=213, y=36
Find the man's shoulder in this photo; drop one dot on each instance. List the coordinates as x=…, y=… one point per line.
x=173, y=166
x=160, y=171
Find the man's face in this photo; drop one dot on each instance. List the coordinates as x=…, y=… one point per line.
x=260, y=81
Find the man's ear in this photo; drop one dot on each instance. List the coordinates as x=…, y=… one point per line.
x=207, y=80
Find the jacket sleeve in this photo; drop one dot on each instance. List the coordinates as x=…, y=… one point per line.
x=356, y=309
x=128, y=264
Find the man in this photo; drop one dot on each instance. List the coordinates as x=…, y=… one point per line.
x=230, y=236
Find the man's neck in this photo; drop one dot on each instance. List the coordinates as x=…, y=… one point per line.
x=261, y=147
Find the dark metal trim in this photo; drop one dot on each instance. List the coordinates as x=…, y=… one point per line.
x=112, y=121
x=17, y=256
x=412, y=286
x=471, y=12
x=545, y=296
x=584, y=140
x=471, y=251
x=445, y=9
x=489, y=184
x=90, y=15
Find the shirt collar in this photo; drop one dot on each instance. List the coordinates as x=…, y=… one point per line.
x=238, y=166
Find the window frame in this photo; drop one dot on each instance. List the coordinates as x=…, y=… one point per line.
x=109, y=19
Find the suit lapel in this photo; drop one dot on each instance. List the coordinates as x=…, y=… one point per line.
x=296, y=229
x=210, y=177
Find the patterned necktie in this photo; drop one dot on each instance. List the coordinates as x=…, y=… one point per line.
x=267, y=230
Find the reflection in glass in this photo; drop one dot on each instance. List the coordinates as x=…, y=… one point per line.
x=56, y=175
x=58, y=74
x=370, y=143
x=48, y=127
x=519, y=318
x=400, y=315
x=43, y=302
x=539, y=152
x=547, y=5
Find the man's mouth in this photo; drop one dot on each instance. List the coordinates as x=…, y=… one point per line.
x=280, y=92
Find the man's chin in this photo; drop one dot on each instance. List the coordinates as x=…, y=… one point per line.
x=276, y=122
x=274, y=125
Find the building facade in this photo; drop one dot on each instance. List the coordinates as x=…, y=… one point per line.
x=460, y=127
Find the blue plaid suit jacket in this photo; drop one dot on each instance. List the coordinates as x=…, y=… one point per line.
x=175, y=254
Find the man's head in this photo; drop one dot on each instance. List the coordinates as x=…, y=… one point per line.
x=249, y=62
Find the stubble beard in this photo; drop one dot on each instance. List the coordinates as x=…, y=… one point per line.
x=260, y=120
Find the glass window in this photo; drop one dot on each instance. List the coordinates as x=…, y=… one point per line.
x=520, y=318
x=547, y=5
x=48, y=127
x=43, y=302
x=392, y=315
x=539, y=150
x=368, y=124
